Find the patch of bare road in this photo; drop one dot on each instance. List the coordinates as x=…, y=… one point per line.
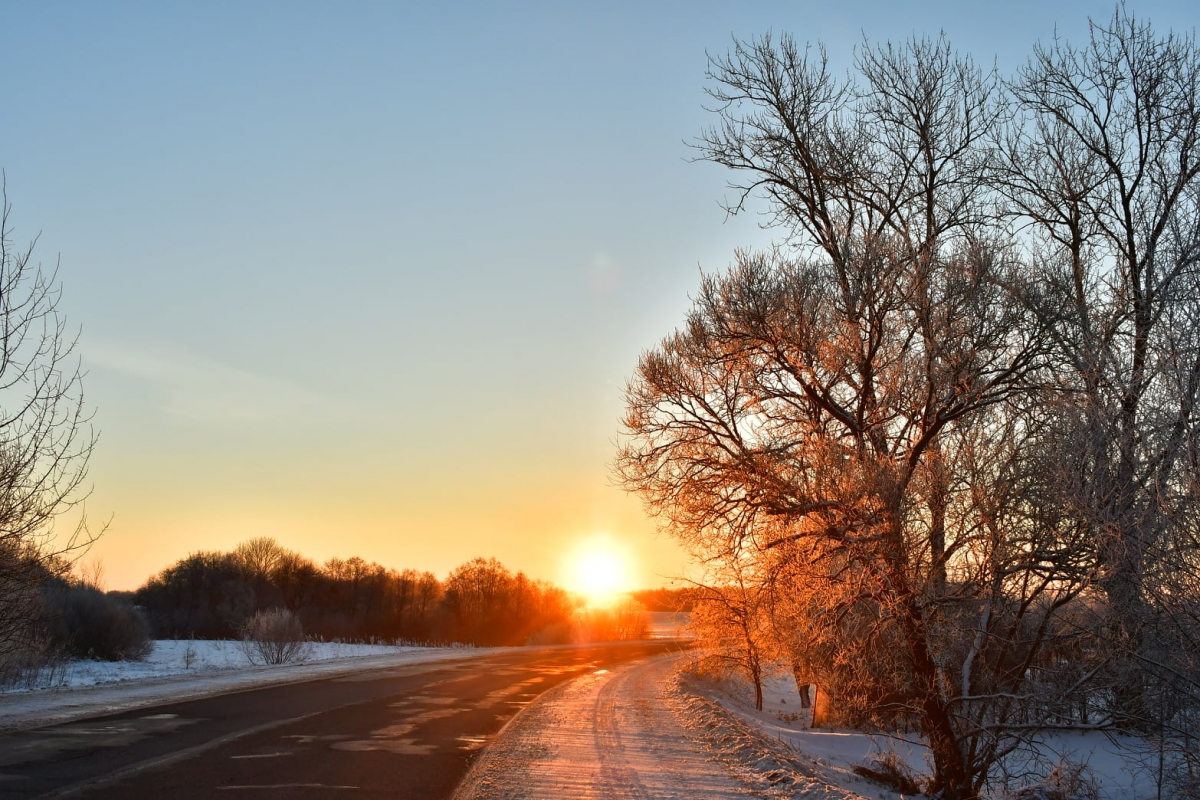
x=411, y=732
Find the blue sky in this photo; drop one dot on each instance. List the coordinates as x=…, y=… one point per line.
x=368, y=277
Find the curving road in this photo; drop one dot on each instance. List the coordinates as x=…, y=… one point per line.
x=608, y=734
x=408, y=732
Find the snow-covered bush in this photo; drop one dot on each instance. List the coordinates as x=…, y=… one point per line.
x=274, y=636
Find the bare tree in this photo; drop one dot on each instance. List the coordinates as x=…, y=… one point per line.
x=260, y=556
x=863, y=408
x=730, y=621
x=46, y=437
x=1104, y=170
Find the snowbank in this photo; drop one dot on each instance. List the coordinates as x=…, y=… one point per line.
x=188, y=657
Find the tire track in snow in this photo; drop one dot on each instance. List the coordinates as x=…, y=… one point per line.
x=606, y=734
x=617, y=778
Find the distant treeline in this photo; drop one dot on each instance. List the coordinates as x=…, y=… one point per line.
x=665, y=599
x=212, y=594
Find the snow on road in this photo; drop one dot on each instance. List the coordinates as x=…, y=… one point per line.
x=628, y=733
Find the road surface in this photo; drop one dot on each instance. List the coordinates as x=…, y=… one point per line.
x=608, y=734
x=407, y=732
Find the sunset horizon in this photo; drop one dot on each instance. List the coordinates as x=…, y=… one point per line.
x=294, y=325
x=547, y=401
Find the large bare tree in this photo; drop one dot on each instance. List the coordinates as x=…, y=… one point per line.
x=952, y=409
x=45, y=436
x=1103, y=172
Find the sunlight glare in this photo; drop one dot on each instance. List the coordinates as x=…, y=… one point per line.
x=598, y=573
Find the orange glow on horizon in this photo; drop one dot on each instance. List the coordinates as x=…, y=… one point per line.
x=599, y=572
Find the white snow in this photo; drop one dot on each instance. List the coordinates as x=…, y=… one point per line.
x=186, y=669
x=669, y=625
x=185, y=657
x=782, y=719
x=1118, y=763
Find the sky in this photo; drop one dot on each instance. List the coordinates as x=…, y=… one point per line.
x=369, y=278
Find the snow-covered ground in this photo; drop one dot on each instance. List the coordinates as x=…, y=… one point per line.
x=191, y=657
x=186, y=669
x=669, y=625
x=832, y=754
x=648, y=730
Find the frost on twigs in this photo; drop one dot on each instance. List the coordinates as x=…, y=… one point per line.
x=274, y=636
x=38, y=663
x=889, y=769
x=1067, y=781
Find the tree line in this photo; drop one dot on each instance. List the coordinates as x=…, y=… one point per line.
x=481, y=602
x=939, y=445
x=66, y=614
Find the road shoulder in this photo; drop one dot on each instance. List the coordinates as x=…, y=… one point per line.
x=621, y=733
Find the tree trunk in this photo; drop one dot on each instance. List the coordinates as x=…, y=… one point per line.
x=939, y=491
x=950, y=774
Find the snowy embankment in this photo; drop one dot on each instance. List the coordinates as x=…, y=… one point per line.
x=781, y=730
x=184, y=669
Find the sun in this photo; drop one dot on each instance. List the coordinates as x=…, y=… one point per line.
x=599, y=572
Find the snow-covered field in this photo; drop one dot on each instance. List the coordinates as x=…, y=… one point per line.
x=191, y=657
x=669, y=625
x=186, y=669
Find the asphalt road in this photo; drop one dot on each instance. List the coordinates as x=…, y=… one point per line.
x=406, y=732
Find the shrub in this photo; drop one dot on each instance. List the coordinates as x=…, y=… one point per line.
x=32, y=663
x=1067, y=781
x=889, y=769
x=86, y=623
x=273, y=636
